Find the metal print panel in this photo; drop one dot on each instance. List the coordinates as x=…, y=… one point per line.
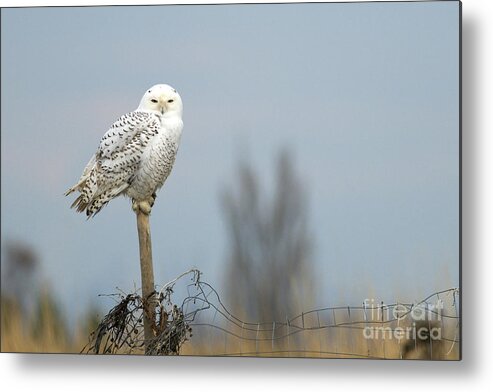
x=267, y=180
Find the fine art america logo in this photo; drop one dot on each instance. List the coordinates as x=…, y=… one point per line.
x=414, y=322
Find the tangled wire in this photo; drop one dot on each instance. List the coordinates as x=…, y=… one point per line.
x=121, y=331
x=312, y=333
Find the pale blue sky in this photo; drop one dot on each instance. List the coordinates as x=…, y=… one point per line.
x=365, y=96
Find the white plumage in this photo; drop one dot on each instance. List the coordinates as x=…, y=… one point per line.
x=135, y=156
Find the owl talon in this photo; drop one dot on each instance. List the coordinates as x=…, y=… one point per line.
x=152, y=199
x=143, y=206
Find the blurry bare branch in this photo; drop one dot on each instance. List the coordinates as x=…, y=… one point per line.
x=270, y=270
x=19, y=267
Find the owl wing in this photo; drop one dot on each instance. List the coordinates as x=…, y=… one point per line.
x=125, y=131
x=120, y=150
x=111, y=169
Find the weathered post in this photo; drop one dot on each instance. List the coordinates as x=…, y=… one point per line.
x=147, y=274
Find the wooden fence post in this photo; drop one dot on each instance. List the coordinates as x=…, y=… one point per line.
x=147, y=274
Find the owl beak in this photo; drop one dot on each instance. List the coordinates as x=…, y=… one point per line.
x=162, y=103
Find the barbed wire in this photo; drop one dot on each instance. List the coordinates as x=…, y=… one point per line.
x=426, y=329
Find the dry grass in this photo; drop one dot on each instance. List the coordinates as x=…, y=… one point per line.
x=44, y=331
x=41, y=331
x=324, y=343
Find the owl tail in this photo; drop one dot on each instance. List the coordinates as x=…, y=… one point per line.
x=99, y=201
x=87, y=189
x=87, y=186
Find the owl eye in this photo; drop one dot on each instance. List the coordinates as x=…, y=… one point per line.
x=154, y=100
x=170, y=100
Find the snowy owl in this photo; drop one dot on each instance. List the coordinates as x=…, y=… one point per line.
x=135, y=155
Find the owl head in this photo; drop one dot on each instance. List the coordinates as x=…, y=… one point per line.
x=162, y=99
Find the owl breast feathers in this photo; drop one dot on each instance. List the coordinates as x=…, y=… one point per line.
x=135, y=156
